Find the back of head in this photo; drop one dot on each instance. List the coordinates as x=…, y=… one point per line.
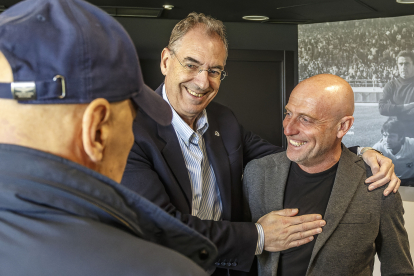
x=212, y=27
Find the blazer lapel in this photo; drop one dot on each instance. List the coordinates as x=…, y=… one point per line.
x=217, y=156
x=174, y=157
x=278, y=175
x=347, y=179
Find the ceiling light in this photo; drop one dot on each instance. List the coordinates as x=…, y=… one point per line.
x=133, y=11
x=405, y=1
x=287, y=21
x=255, y=17
x=168, y=7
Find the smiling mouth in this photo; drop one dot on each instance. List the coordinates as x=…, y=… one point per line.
x=296, y=144
x=194, y=93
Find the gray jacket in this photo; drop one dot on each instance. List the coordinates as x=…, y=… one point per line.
x=359, y=223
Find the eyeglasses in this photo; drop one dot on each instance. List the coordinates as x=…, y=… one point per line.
x=194, y=69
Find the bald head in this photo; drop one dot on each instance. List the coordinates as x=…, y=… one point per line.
x=318, y=115
x=329, y=91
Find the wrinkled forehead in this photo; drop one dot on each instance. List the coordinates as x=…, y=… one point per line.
x=304, y=101
x=199, y=42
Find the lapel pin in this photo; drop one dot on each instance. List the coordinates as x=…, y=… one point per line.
x=216, y=133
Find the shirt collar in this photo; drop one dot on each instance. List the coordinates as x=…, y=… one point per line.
x=184, y=131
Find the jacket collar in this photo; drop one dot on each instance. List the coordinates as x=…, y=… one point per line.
x=48, y=183
x=170, y=151
x=351, y=169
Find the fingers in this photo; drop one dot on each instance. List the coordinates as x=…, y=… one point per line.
x=383, y=176
x=297, y=243
x=312, y=228
x=380, y=179
x=286, y=212
x=297, y=239
x=305, y=220
x=301, y=238
x=370, y=157
x=283, y=231
x=398, y=184
x=393, y=186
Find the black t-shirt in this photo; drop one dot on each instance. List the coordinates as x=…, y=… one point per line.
x=310, y=194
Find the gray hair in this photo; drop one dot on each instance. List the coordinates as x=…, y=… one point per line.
x=212, y=26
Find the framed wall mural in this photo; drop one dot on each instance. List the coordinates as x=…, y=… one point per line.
x=376, y=57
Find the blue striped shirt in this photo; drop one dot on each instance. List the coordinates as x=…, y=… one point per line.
x=206, y=200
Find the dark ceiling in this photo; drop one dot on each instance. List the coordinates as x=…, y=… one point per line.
x=310, y=11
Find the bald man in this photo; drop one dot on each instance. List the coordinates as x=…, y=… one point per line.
x=66, y=131
x=318, y=175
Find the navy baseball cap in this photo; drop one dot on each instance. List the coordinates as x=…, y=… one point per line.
x=69, y=51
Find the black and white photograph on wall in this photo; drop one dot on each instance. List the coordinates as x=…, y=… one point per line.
x=376, y=57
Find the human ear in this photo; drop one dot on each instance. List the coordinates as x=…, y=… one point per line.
x=95, y=129
x=345, y=124
x=165, y=55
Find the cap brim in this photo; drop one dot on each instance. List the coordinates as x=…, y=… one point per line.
x=153, y=105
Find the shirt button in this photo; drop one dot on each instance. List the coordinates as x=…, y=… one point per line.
x=203, y=254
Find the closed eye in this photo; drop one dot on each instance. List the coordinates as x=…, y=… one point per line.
x=214, y=73
x=305, y=119
x=191, y=67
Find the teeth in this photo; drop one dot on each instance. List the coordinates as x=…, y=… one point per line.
x=194, y=93
x=296, y=144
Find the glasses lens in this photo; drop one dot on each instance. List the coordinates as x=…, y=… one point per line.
x=195, y=69
x=223, y=75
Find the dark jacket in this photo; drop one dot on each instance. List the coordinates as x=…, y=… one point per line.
x=60, y=218
x=156, y=170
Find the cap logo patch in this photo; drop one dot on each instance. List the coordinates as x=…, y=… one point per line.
x=23, y=90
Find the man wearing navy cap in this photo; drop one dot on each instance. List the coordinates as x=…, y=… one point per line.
x=70, y=85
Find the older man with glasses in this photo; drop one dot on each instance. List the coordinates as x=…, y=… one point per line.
x=193, y=168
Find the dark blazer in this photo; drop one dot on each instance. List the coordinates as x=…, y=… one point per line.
x=359, y=223
x=156, y=170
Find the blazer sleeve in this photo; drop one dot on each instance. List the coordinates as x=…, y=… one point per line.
x=254, y=147
x=392, y=242
x=235, y=241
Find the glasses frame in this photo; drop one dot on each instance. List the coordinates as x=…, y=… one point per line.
x=221, y=77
